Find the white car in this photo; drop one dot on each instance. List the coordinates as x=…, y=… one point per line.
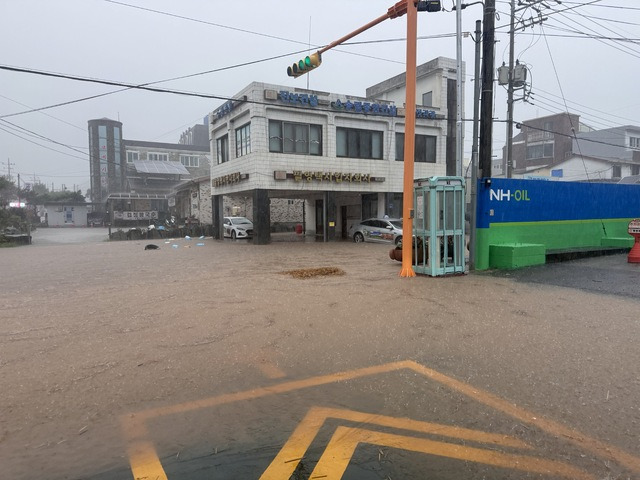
x=237, y=227
x=387, y=230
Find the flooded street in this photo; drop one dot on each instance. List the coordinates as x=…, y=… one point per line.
x=211, y=361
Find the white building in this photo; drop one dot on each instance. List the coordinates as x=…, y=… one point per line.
x=342, y=155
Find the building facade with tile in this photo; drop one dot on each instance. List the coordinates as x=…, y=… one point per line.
x=341, y=155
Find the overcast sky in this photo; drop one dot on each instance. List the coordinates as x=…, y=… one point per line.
x=111, y=40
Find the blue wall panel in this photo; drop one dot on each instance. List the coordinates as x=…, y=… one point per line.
x=502, y=200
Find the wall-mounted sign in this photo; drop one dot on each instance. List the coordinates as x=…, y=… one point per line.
x=150, y=215
x=229, y=179
x=365, y=108
x=228, y=106
x=298, y=99
x=422, y=113
x=331, y=177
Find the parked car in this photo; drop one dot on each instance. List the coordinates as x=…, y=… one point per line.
x=387, y=230
x=237, y=227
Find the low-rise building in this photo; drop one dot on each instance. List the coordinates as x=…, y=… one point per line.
x=340, y=154
x=64, y=214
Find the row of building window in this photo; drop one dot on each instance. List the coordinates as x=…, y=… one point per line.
x=306, y=139
x=186, y=160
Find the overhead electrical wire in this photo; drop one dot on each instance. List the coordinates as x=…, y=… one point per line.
x=242, y=30
x=621, y=47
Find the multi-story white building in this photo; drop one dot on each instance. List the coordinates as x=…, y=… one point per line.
x=342, y=155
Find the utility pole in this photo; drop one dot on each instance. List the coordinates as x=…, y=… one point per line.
x=459, y=131
x=486, y=108
x=9, y=164
x=509, y=154
x=474, y=151
x=512, y=79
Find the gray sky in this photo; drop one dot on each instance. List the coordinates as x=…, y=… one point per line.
x=109, y=40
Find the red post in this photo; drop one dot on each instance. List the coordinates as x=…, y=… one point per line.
x=409, y=141
x=634, y=231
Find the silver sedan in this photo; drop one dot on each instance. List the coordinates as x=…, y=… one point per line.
x=384, y=230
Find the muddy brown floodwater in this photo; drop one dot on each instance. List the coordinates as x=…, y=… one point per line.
x=209, y=357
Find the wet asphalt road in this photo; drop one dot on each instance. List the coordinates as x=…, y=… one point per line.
x=607, y=274
x=200, y=362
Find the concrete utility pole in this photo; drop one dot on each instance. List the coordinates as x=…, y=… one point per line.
x=459, y=130
x=486, y=108
x=509, y=154
x=511, y=73
x=474, y=150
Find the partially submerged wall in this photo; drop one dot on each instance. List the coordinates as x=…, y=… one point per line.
x=520, y=221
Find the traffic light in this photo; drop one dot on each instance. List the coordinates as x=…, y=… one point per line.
x=429, y=6
x=305, y=65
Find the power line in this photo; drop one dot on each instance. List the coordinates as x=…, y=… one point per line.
x=605, y=6
x=579, y=35
x=242, y=30
x=40, y=145
x=40, y=137
x=622, y=48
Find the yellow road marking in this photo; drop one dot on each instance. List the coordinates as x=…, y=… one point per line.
x=285, y=463
x=554, y=428
x=573, y=436
x=270, y=390
x=145, y=464
x=342, y=446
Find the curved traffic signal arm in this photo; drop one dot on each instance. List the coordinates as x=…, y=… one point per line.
x=305, y=65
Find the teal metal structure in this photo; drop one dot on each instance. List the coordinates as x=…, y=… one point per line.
x=438, y=226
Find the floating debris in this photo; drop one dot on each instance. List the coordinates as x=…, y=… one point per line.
x=315, y=272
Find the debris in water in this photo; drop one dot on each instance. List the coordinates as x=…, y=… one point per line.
x=315, y=272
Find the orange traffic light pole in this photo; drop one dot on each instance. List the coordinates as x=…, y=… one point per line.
x=409, y=142
x=410, y=8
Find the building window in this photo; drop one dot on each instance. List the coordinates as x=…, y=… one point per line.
x=542, y=150
x=635, y=169
x=243, y=140
x=548, y=130
x=132, y=156
x=634, y=142
x=158, y=157
x=616, y=171
x=425, y=148
x=300, y=138
x=356, y=143
x=427, y=99
x=222, y=148
x=190, y=160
